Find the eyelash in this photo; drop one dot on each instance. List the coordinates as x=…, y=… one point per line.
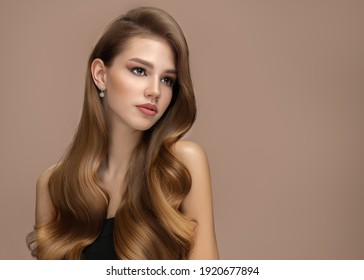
x=136, y=70
x=170, y=82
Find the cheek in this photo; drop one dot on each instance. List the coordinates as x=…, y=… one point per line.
x=117, y=87
x=167, y=100
x=120, y=83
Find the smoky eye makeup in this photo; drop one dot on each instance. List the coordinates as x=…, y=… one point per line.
x=139, y=71
x=169, y=81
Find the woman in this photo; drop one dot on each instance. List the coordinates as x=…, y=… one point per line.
x=128, y=187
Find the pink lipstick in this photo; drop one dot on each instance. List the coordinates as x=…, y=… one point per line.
x=148, y=109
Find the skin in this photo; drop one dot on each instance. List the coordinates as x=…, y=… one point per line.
x=143, y=73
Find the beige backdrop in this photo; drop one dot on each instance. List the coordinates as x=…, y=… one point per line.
x=280, y=90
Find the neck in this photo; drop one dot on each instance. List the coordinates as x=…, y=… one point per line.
x=122, y=141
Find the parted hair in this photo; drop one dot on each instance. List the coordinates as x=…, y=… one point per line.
x=149, y=223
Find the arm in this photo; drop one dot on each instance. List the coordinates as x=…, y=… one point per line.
x=198, y=202
x=43, y=206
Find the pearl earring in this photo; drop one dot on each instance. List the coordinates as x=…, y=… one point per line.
x=102, y=93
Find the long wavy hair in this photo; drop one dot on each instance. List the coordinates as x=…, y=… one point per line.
x=149, y=223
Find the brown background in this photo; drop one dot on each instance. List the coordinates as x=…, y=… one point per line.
x=280, y=90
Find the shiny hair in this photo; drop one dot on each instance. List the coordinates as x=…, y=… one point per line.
x=149, y=223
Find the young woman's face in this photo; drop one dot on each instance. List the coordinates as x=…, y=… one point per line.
x=139, y=83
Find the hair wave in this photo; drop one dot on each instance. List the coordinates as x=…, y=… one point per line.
x=149, y=223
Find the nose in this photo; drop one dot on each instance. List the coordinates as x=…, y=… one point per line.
x=153, y=89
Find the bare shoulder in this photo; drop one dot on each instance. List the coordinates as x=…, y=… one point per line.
x=44, y=177
x=44, y=207
x=198, y=203
x=191, y=154
x=195, y=159
x=42, y=182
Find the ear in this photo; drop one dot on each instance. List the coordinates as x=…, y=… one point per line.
x=98, y=71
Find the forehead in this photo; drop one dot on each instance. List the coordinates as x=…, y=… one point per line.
x=155, y=50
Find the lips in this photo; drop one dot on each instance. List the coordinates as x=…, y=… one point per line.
x=148, y=109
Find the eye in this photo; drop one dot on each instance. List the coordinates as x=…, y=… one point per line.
x=168, y=81
x=138, y=71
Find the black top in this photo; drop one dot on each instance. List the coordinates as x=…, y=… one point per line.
x=103, y=247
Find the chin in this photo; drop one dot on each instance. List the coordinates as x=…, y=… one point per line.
x=143, y=127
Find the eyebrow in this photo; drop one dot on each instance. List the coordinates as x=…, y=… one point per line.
x=150, y=65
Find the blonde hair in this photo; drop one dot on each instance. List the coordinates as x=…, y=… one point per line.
x=149, y=223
